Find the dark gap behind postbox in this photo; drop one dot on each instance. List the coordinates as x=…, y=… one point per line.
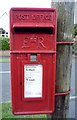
x=44, y=30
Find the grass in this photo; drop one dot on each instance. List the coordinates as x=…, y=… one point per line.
x=0, y=111
x=6, y=112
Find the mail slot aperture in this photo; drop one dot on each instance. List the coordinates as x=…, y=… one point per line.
x=41, y=30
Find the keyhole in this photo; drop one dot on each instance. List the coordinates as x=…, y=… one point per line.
x=20, y=83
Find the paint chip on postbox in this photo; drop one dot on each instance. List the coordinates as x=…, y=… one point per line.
x=33, y=60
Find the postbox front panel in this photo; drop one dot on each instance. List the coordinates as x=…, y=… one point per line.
x=33, y=60
x=33, y=92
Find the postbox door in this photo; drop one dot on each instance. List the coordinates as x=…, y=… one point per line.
x=33, y=97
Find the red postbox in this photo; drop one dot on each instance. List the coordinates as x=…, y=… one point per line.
x=33, y=59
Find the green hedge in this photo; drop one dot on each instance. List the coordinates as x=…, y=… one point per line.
x=4, y=43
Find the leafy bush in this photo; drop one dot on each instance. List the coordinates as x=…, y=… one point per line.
x=4, y=43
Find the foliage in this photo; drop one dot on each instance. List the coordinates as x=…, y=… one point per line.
x=75, y=30
x=4, y=43
x=74, y=48
x=2, y=30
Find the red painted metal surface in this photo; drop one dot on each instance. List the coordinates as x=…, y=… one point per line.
x=64, y=93
x=33, y=32
x=65, y=43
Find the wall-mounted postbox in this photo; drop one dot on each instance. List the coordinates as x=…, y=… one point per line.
x=33, y=59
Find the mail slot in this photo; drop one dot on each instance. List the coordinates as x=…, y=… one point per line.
x=33, y=59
